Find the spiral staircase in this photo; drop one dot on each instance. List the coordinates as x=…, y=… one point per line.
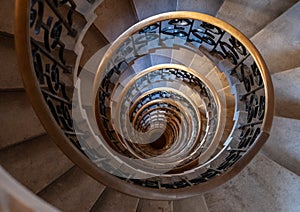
x=126, y=69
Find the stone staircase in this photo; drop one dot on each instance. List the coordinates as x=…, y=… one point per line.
x=270, y=182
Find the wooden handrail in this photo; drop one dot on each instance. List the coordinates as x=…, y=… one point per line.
x=29, y=73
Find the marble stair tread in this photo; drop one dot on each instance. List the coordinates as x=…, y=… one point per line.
x=111, y=201
x=192, y=204
x=146, y=8
x=283, y=145
x=9, y=75
x=16, y=114
x=251, y=16
x=154, y=206
x=74, y=191
x=202, y=6
x=30, y=162
x=113, y=24
x=287, y=97
x=263, y=185
x=279, y=41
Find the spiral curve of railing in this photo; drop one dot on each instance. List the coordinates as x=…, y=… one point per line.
x=181, y=124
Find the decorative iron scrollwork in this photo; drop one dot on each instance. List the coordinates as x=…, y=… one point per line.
x=48, y=51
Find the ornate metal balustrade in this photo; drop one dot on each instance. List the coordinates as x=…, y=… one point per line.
x=163, y=132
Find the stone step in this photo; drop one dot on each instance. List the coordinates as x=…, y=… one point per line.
x=283, y=145
x=192, y=204
x=9, y=75
x=7, y=16
x=161, y=56
x=263, y=185
x=201, y=6
x=217, y=79
x=34, y=163
x=252, y=16
x=86, y=88
x=154, y=206
x=91, y=65
x=287, y=99
x=202, y=64
x=182, y=56
x=228, y=101
x=85, y=7
x=279, y=41
x=74, y=191
x=142, y=63
x=15, y=197
x=111, y=201
x=114, y=17
x=19, y=121
x=146, y=8
x=93, y=41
